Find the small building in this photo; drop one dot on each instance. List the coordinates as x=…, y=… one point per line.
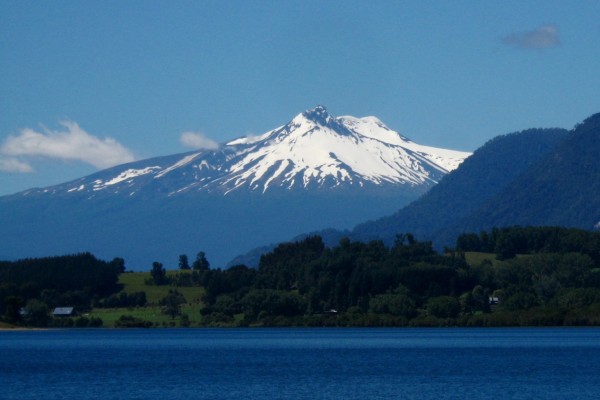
x=494, y=300
x=63, y=312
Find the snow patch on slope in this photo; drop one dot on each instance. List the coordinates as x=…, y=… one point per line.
x=184, y=161
x=124, y=176
x=373, y=128
x=251, y=139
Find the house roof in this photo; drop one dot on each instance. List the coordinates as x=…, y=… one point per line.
x=63, y=311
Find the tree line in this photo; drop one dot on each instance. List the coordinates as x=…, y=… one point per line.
x=555, y=280
x=510, y=241
x=504, y=277
x=30, y=288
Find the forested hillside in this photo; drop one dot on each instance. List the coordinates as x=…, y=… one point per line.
x=478, y=179
x=562, y=189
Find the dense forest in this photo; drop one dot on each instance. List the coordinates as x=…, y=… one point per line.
x=518, y=276
x=525, y=276
x=562, y=189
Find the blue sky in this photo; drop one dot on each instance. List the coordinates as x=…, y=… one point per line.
x=89, y=84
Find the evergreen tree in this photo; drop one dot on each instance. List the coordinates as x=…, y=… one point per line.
x=36, y=313
x=172, y=303
x=159, y=275
x=12, y=307
x=119, y=264
x=183, y=262
x=201, y=263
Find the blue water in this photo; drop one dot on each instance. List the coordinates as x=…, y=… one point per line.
x=301, y=364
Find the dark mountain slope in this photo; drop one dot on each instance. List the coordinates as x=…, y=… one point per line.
x=479, y=178
x=562, y=189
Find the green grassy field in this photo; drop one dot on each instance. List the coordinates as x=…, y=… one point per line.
x=135, y=282
x=475, y=258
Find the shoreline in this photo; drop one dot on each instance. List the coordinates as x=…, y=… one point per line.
x=21, y=328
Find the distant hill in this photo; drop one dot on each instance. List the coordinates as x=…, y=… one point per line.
x=562, y=189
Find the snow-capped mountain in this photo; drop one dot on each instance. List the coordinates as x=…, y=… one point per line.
x=315, y=172
x=313, y=151
x=316, y=149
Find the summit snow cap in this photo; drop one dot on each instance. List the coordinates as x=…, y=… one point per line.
x=318, y=150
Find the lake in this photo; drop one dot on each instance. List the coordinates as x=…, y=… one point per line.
x=538, y=363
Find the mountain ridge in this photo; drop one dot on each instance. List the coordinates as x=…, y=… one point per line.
x=313, y=150
x=563, y=188
x=314, y=172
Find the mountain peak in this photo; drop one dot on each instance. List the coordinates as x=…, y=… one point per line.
x=319, y=115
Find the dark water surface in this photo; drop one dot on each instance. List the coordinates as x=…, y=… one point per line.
x=301, y=364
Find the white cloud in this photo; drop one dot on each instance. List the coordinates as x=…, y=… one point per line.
x=8, y=164
x=196, y=140
x=72, y=143
x=543, y=37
